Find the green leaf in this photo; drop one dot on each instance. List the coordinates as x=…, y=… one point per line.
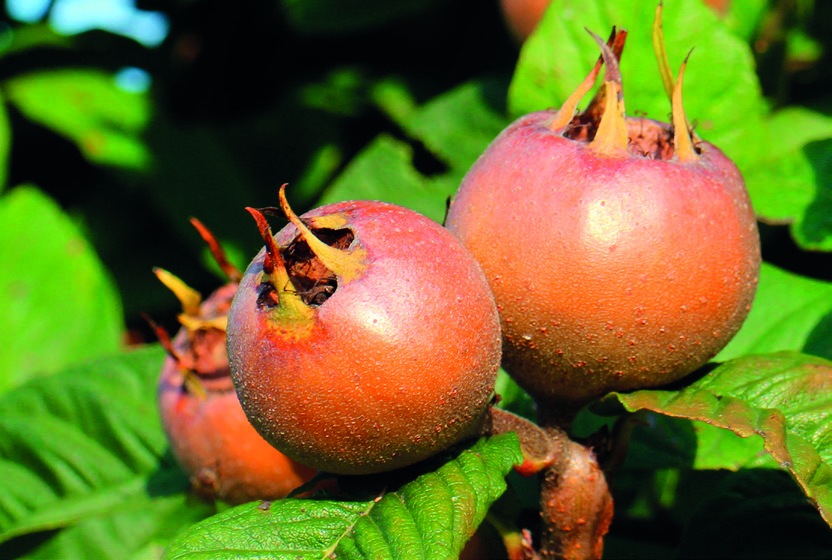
x=792, y=184
x=89, y=109
x=782, y=397
x=384, y=171
x=430, y=517
x=5, y=144
x=84, y=451
x=790, y=312
x=59, y=305
x=744, y=17
x=457, y=126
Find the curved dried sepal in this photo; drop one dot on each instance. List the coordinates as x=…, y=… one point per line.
x=595, y=108
x=273, y=258
x=567, y=111
x=164, y=338
x=231, y=271
x=187, y=296
x=611, y=138
x=661, y=53
x=195, y=323
x=344, y=264
x=290, y=304
x=682, y=139
x=191, y=379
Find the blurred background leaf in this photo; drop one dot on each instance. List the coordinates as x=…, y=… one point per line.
x=59, y=304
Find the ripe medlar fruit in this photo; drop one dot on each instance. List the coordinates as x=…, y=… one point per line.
x=623, y=252
x=209, y=433
x=363, y=338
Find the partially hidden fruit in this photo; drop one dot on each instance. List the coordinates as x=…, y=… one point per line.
x=522, y=16
x=623, y=252
x=363, y=338
x=208, y=431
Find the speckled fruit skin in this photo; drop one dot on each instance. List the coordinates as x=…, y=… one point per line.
x=397, y=365
x=610, y=273
x=210, y=435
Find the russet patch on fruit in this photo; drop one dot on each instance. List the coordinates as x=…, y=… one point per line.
x=623, y=252
x=363, y=338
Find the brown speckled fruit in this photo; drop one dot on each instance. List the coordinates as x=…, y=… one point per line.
x=363, y=338
x=623, y=252
x=208, y=431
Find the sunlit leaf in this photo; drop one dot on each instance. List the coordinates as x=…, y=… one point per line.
x=431, y=517
x=59, y=304
x=384, y=171
x=88, y=108
x=84, y=452
x=790, y=312
x=784, y=398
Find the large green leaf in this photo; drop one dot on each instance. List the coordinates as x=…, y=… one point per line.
x=83, y=451
x=5, y=144
x=59, y=304
x=455, y=128
x=384, y=171
x=793, y=184
x=784, y=398
x=790, y=312
x=430, y=517
x=88, y=108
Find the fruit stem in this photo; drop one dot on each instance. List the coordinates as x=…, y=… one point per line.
x=344, y=264
x=576, y=503
x=230, y=271
x=189, y=298
x=191, y=379
x=611, y=138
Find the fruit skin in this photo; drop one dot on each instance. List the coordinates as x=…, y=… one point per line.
x=398, y=364
x=208, y=431
x=610, y=273
x=522, y=16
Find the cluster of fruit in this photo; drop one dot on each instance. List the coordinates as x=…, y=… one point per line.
x=586, y=252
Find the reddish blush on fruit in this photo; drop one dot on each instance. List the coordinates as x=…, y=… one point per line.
x=363, y=338
x=623, y=252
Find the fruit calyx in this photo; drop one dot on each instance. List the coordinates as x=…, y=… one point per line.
x=204, y=322
x=604, y=125
x=308, y=271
